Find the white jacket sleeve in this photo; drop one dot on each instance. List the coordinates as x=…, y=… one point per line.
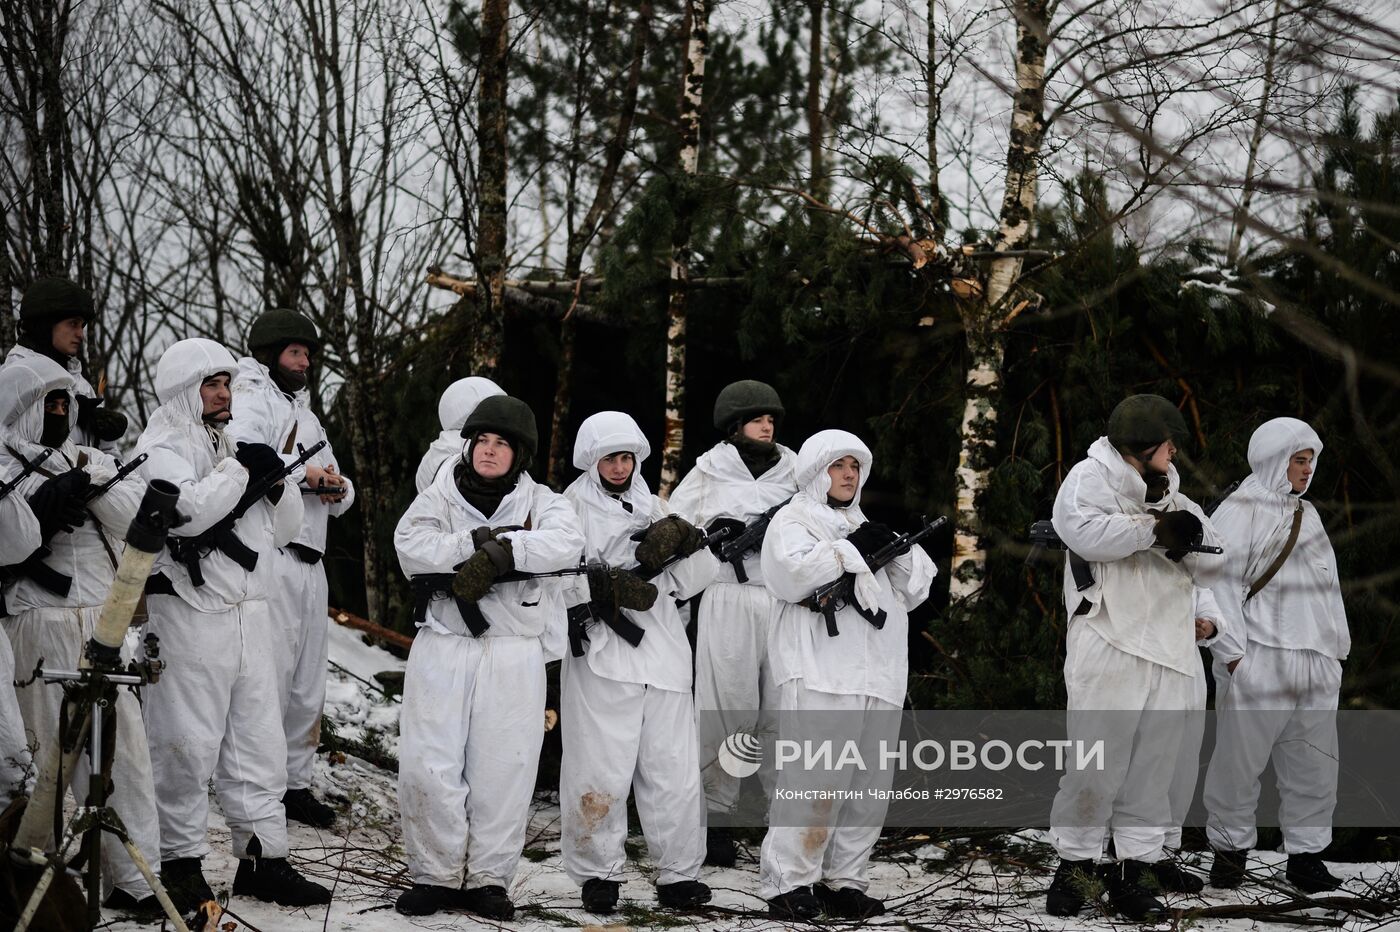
x=1093, y=527
x=287, y=515
x=555, y=538
x=205, y=501
x=795, y=561
x=19, y=530
x=688, y=499
x=1207, y=607
x=424, y=540
x=1232, y=524
x=258, y=418
x=115, y=508
x=911, y=575
x=687, y=578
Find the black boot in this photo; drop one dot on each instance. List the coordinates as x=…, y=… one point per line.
x=1075, y=883
x=1173, y=878
x=148, y=907
x=274, y=880
x=302, y=807
x=1131, y=889
x=490, y=902
x=600, y=896
x=800, y=903
x=1227, y=870
x=847, y=902
x=720, y=850
x=185, y=884
x=424, y=899
x=1309, y=874
x=684, y=894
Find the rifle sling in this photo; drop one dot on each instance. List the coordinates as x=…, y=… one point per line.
x=1277, y=565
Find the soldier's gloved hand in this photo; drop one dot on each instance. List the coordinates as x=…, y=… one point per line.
x=480, y=535
x=87, y=411
x=478, y=574
x=870, y=537
x=58, y=503
x=259, y=459
x=1178, y=531
x=610, y=589
x=717, y=527
x=107, y=425
x=1158, y=484
x=667, y=537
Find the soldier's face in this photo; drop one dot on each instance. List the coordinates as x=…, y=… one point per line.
x=68, y=335
x=295, y=358
x=760, y=428
x=617, y=467
x=1161, y=458
x=845, y=478
x=214, y=393
x=492, y=455
x=1300, y=468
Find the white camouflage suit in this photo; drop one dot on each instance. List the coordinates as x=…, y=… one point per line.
x=1134, y=651
x=862, y=672
x=56, y=627
x=19, y=537
x=473, y=707
x=82, y=388
x=733, y=677
x=1290, y=639
x=454, y=407
x=297, y=597
x=214, y=712
x=627, y=713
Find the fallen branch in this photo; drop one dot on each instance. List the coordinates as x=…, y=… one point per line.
x=347, y=620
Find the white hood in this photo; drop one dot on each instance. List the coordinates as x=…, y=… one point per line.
x=606, y=526
x=24, y=383
x=1273, y=445
x=461, y=398
x=183, y=367
x=820, y=451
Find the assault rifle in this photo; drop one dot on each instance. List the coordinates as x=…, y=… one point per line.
x=25, y=471
x=188, y=551
x=840, y=593
x=429, y=586
x=1043, y=535
x=126, y=470
x=747, y=541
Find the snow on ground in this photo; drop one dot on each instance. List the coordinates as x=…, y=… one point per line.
x=927, y=883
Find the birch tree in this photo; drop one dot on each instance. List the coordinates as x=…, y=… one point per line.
x=492, y=166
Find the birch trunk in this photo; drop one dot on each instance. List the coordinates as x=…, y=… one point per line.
x=491, y=212
x=984, y=318
x=692, y=91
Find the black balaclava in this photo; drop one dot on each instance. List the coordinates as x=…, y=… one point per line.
x=484, y=494
x=285, y=379
x=56, y=426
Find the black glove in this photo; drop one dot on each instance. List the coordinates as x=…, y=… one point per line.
x=87, y=411
x=58, y=503
x=1158, y=485
x=610, y=589
x=480, y=535
x=870, y=537
x=1178, y=531
x=259, y=459
x=478, y=574
x=734, y=526
x=667, y=537
x=108, y=426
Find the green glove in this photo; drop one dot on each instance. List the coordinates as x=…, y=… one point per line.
x=667, y=537
x=478, y=574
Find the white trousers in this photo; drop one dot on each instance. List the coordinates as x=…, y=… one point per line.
x=297, y=598
x=58, y=635
x=620, y=736
x=733, y=680
x=1279, y=704
x=469, y=745
x=16, y=763
x=1108, y=691
x=831, y=839
x=214, y=714
x=1188, y=765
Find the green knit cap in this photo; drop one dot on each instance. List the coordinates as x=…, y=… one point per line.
x=1142, y=421
x=507, y=416
x=279, y=327
x=743, y=401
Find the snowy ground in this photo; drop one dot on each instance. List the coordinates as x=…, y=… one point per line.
x=942, y=883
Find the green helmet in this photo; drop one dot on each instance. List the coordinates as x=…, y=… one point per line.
x=55, y=299
x=742, y=401
x=507, y=416
x=279, y=327
x=1143, y=421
